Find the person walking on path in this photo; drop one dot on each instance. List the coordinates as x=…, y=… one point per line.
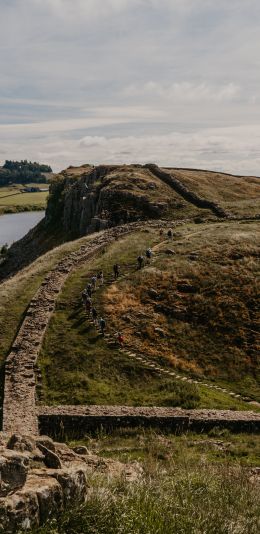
x=100, y=278
x=102, y=325
x=94, y=314
x=116, y=269
x=84, y=296
x=88, y=305
x=169, y=234
x=94, y=282
x=140, y=261
x=120, y=339
x=149, y=254
x=89, y=290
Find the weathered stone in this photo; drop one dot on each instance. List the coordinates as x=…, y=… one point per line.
x=21, y=443
x=170, y=252
x=81, y=450
x=13, y=471
x=160, y=331
x=73, y=483
x=46, y=442
x=35, y=503
x=50, y=458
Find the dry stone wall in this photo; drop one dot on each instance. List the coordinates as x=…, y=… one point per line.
x=76, y=421
x=19, y=414
x=182, y=190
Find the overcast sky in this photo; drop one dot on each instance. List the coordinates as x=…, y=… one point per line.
x=174, y=82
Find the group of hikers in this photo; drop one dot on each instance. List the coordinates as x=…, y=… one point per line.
x=97, y=280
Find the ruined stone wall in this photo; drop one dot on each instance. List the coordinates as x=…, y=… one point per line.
x=76, y=421
x=19, y=414
x=182, y=190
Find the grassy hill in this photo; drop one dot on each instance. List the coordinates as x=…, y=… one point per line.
x=86, y=199
x=122, y=193
x=237, y=194
x=192, y=309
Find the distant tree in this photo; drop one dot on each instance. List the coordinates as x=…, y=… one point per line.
x=23, y=172
x=4, y=250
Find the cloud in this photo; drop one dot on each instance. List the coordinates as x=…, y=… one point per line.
x=230, y=149
x=174, y=81
x=185, y=91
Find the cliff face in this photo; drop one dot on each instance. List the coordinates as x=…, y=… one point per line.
x=88, y=199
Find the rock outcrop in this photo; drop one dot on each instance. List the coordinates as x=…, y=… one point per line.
x=31, y=493
x=89, y=199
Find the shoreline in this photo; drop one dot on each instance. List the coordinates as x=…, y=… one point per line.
x=13, y=210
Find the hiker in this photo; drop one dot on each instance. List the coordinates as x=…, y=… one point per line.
x=84, y=296
x=100, y=278
x=102, y=324
x=94, y=282
x=94, y=314
x=161, y=232
x=88, y=304
x=149, y=253
x=140, y=261
x=169, y=234
x=120, y=339
x=89, y=290
x=116, y=269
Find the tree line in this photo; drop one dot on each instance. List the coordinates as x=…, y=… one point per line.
x=22, y=172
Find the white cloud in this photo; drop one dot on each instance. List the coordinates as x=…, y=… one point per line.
x=131, y=80
x=233, y=149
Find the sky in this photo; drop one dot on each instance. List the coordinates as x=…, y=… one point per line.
x=174, y=82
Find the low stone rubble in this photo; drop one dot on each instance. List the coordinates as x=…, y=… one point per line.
x=31, y=492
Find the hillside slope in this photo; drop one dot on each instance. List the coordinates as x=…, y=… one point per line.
x=192, y=309
x=86, y=199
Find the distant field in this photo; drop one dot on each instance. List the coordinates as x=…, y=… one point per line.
x=12, y=200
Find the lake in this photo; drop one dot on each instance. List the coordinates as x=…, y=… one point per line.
x=16, y=225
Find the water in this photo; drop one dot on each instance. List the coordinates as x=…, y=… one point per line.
x=16, y=225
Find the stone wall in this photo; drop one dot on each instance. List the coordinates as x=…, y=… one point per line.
x=76, y=421
x=182, y=190
x=19, y=413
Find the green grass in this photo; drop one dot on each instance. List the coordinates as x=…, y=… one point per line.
x=79, y=368
x=239, y=195
x=16, y=293
x=210, y=333
x=191, y=484
x=76, y=363
x=13, y=201
x=89, y=371
x=216, y=446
